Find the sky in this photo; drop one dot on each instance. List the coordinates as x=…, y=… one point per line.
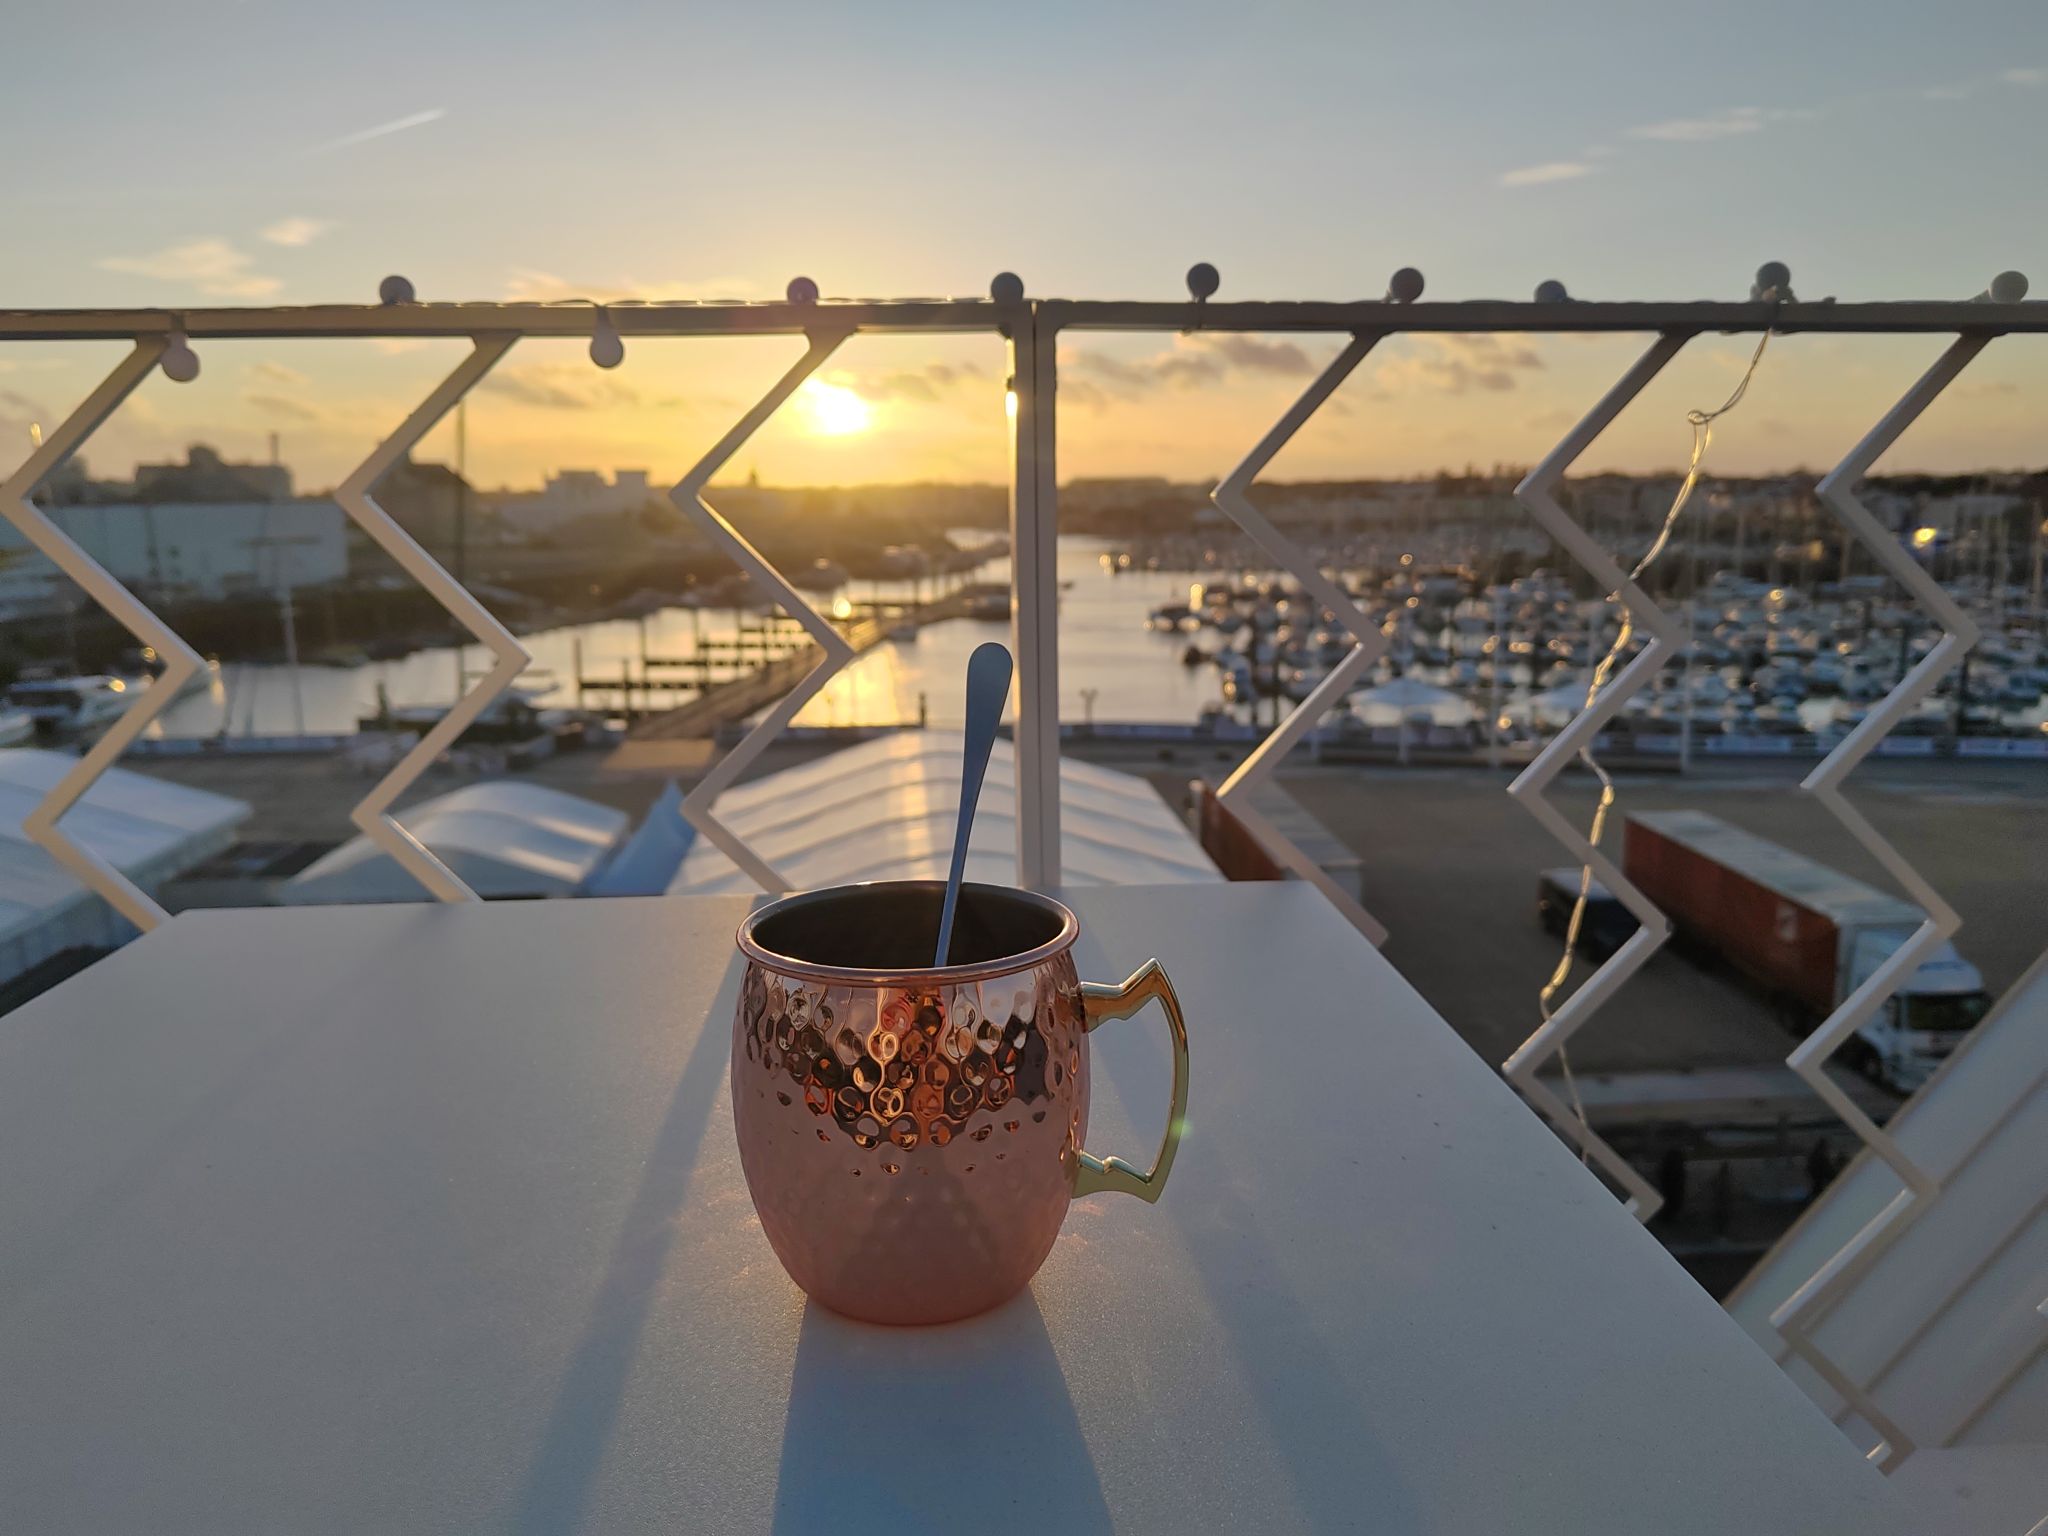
x=206, y=153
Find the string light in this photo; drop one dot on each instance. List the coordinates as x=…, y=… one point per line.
x=606, y=349
x=1773, y=280
x=2006, y=288
x=179, y=362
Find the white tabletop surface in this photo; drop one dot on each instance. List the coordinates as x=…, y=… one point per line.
x=418, y=1219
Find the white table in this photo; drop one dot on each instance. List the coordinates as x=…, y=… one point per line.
x=422, y=1219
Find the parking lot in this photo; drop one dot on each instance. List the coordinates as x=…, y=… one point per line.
x=1451, y=865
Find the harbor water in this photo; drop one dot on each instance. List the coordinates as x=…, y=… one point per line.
x=1113, y=669
x=1110, y=664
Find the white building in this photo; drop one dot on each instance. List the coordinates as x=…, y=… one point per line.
x=26, y=588
x=149, y=830
x=575, y=493
x=196, y=549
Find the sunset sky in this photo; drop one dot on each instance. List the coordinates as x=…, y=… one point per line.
x=215, y=153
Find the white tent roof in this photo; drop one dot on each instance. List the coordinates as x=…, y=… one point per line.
x=501, y=839
x=884, y=810
x=147, y=829
x=1406, y=693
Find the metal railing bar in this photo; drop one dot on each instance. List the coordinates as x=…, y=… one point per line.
x=766, y=318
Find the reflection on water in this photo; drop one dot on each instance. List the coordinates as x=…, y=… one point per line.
x=1105, y=651
x=1104, y=647
x=1112, y=668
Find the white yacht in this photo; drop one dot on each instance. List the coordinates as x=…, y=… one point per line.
x=59, y=705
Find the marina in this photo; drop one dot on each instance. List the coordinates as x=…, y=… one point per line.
x=1174, y=641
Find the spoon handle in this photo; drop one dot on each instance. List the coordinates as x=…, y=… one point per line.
x=988, y=688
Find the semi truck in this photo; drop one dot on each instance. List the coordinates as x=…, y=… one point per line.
x=1806, y=935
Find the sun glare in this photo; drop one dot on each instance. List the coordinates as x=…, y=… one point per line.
x=835, y=410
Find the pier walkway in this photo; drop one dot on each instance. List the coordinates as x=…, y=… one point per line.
x=729, y=702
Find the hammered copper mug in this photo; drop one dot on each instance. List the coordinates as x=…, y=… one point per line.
x=912, y=1136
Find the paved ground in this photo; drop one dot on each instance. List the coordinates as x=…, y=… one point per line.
x=1451, y=866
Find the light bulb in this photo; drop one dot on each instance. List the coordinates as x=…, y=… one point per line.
x=2008, y=287
x=179, y=362
x=606, y=350
x=1773, y=281
x=1551, y=291
x=1405, y=286
x=802, y=290
x=395, y=290
x=1006, y=288
x=1203, y=280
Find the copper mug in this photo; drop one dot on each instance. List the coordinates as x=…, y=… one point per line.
x=912, y=1135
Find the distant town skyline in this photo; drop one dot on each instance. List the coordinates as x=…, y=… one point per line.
x=1306, y=154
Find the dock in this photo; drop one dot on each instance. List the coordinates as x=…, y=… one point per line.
x=781, y=668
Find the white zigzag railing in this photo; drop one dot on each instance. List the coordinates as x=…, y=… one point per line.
x=1229, y=498
x=689, y=496
x=373, y=814
x=180, y=662
x=1796, y=1318
x=1034, y=331
x=1528, y=788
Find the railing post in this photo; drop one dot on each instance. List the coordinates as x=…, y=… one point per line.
x=1034, y=601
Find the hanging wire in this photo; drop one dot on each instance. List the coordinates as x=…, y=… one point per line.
x=1702, y=424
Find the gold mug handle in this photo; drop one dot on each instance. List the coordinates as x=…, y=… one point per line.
x=1101, y=1003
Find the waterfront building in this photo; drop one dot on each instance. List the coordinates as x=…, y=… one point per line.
x=192, y=549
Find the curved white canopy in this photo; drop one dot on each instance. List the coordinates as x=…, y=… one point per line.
x=884, y=810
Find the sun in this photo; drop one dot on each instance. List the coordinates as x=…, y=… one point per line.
x=835, y=410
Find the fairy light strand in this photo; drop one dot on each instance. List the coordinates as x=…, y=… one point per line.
x=1702, y=424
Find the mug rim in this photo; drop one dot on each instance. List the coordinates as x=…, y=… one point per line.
x=922, y=976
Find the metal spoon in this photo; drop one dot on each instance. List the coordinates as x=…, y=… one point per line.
x=988, y=687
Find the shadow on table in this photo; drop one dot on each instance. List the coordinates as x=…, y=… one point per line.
x=1315, y=1413
x=586, y=1405
x=967, y=1427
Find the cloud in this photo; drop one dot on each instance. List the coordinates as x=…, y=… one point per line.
x=2029, y=76
x=1080, y=392
x=1730, y=124
x=1256, y=356
x=1986, y=389
x=277, y=373
x=1458, y=363
x=1193, y=361
x=213, y=267
x=567, y=387
x=1108, y=373
x=1946, y=92
x=895, y=386
x=296, y=231
x=282, y=406
x=382, y=130
x=923, y=385
x=1549, y=170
